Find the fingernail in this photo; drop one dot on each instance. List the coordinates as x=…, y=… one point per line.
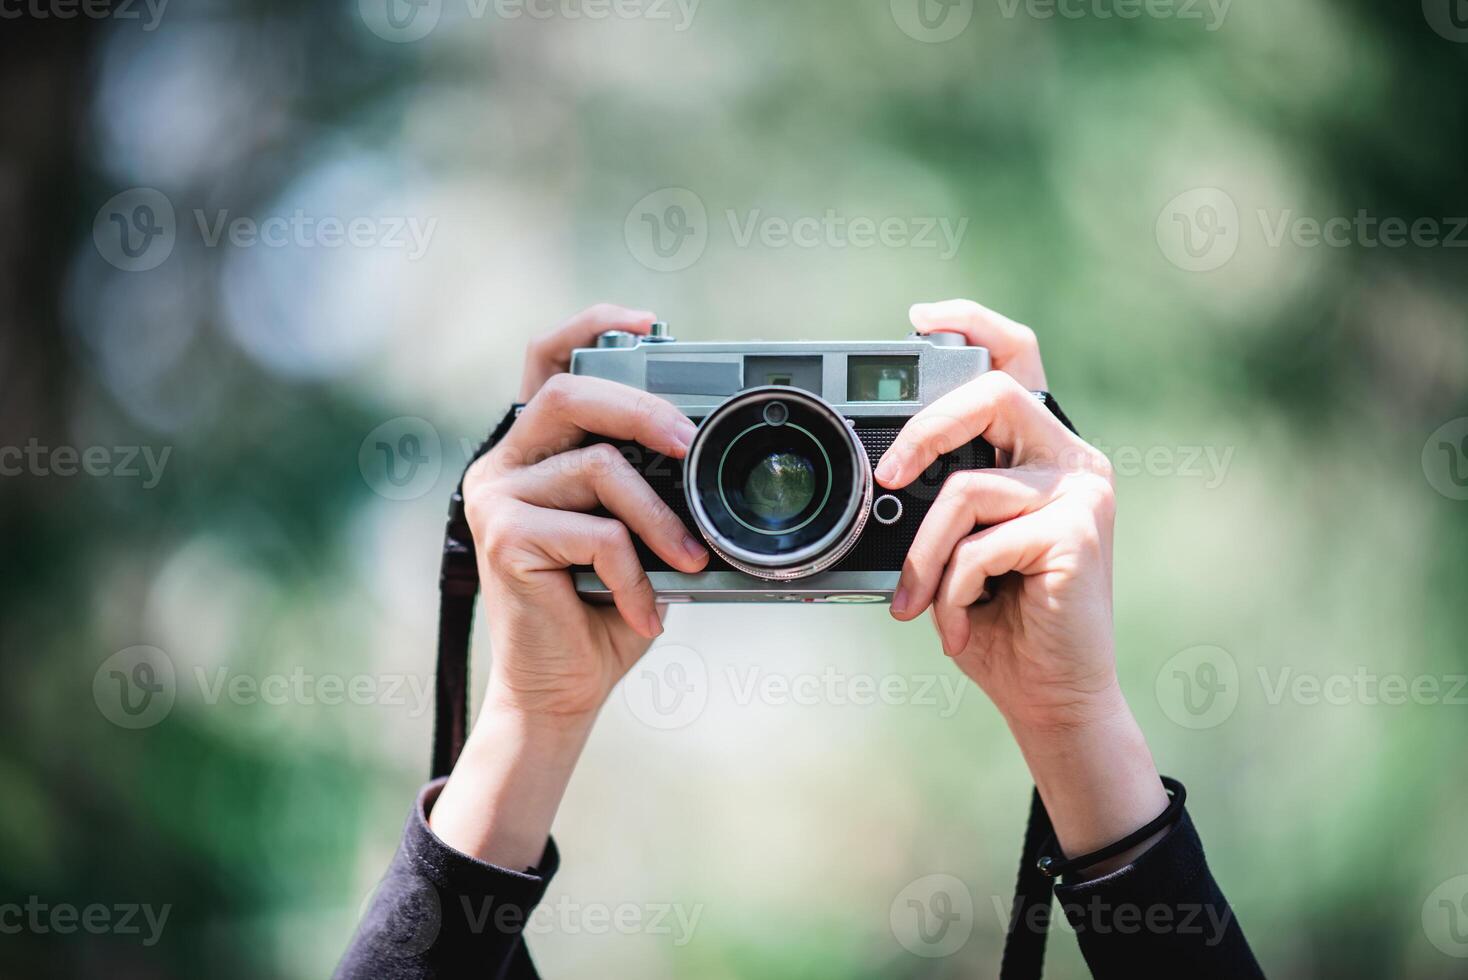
x=899, y=602
x=695, y=550
x=655, y=625
x=886, y=470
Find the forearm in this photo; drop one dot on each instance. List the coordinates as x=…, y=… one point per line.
x=502, y=797
x=1096, y=777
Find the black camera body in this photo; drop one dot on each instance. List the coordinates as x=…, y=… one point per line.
x=779, y=478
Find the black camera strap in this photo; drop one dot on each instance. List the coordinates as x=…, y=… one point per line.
x=458, y=584
x=458, y=587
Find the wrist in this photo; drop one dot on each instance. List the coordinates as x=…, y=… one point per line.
x=502, y=797
x=1095, y=774
x=549, y=727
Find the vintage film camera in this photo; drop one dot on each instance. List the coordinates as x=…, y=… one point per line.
x=779, y=478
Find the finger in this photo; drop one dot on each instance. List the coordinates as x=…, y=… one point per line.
x=995, y=407
x=551, y=354
x=600, y=475
x=606, y=545
x=1013, y=346
x=968, y=499
x=568, y=408
x=1018, y=545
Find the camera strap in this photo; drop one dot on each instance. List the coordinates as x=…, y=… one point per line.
x=458, y=587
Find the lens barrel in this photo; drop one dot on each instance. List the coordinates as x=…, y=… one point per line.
x=778, y=483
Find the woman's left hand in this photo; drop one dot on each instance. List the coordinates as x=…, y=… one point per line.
x=1015, y=563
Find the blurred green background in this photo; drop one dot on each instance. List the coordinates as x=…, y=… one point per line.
x=1286, y=412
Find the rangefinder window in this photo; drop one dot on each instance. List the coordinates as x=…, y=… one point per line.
x=791, y=372
x=885, y=378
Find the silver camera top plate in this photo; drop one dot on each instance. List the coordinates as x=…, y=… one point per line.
x=858, y=378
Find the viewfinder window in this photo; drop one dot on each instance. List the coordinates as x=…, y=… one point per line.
x=871, y=378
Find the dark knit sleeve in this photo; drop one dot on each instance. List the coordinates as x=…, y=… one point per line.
x=438, y=913
x=1163, y=915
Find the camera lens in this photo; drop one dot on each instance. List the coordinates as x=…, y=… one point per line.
x=778, y=483
x=780, y=487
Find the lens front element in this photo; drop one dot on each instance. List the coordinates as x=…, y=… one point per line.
x=779, y=489
x=778, y=483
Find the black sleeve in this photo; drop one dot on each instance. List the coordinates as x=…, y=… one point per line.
x=438, y=913
x=1160, y=916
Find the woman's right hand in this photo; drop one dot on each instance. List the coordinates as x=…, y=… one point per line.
x=556, y=658
x=527, y=502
